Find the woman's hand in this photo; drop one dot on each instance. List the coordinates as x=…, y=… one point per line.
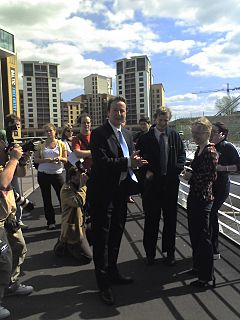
x=186, y=174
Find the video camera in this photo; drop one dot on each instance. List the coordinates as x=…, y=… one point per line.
x=23, y=202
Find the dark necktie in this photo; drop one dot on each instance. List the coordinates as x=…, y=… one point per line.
x=163, y=164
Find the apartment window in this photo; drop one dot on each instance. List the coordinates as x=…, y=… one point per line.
x=29, y=89
x=120, y=87
x=120, y=67
x=53, y=80
x=54, y=85
x=142, y=111
x=54, y=90
x=140, y=64
x=141, y=90
x=54, y=100
x=120, y=91
x=29, y=94
x=141, y=100
x=53, y=71
x=158, y=91
x=141, y=84
x=141, y=105
x=28, y=69
x=30, y=125
x=29, y=99
x=54, y=95
x=141, y=79
x=29, y=84
x=54, y=105
x=140, y=74
x=141, y=95
x=29, y=79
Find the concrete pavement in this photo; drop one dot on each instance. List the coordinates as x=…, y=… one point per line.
x=65, y=290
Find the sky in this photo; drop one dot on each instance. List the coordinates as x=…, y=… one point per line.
x=193, y=45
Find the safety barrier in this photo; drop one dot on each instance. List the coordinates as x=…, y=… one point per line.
x=229, y=214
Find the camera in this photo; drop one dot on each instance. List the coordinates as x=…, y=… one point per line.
x=23, y=202
x=81, y=168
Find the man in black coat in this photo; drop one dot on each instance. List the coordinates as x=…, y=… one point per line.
x=163, y=148
x=111, y=182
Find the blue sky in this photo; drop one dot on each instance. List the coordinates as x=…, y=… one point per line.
x=193, y=45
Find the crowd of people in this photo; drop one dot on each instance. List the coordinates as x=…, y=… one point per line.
x=104, y=167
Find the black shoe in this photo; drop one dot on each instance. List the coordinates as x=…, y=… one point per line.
x=107, y=296
x=192, y=272
x=170, y=260
x=201, y=284
x=149, y=261
x=120, y=279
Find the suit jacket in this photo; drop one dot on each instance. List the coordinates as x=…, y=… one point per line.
x=149, y=150
x=108, y=163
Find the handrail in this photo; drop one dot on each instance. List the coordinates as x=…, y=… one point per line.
x=228, y=221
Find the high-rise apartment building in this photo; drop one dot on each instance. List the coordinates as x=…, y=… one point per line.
x=157, y=97
x=98, y=89
x=71, y=110
x=41, y=94
x=9, y=93
x=133, y=81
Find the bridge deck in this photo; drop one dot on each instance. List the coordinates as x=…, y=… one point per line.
x=65, y=290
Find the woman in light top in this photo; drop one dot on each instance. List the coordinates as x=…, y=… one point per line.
x=51, y=155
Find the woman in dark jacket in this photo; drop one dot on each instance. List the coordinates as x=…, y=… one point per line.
x=199, y=203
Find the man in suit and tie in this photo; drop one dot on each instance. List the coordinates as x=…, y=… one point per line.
x=163, y=148
x=110, y=183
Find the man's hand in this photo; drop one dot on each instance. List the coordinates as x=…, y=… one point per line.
x=137, y=161
x=16, y=152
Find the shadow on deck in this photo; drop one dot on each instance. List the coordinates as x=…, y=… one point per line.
x=65, y=290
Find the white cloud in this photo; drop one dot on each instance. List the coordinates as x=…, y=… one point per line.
x=221, y=58
x=68, y=32
x=73, y=66
x=182, y=98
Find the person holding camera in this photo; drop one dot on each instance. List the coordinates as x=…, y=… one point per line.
x=12, y=123
x=51, y=156
x=73, y=198
x=10, y=244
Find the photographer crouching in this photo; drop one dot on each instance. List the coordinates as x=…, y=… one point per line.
x=12, y=245
x=73, y=239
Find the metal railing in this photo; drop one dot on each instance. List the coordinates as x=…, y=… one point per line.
x=229, y=214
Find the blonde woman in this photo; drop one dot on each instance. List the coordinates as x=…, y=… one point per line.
x=201, y=176
x=51, y=155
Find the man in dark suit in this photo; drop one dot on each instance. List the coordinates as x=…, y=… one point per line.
x=110, y=183
x=163, y=148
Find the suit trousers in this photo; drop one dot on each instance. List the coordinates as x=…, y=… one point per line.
x=220, y=193
x=198, y=224
x=160, y=196
x=108, y=223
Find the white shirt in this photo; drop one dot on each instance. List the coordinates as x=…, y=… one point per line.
x=51, y=168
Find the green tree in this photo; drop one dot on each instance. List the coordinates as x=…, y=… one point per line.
x=226, y=105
